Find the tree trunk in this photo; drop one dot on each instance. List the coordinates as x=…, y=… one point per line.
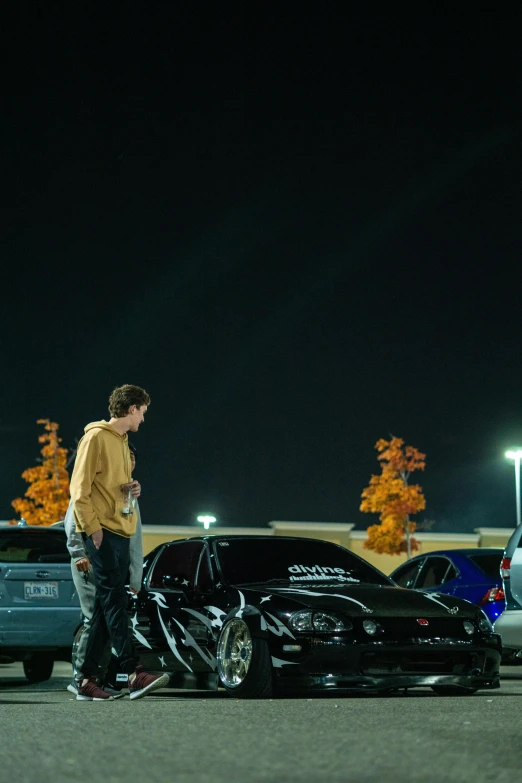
x=408, y=537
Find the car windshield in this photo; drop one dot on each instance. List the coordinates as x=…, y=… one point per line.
x=247, y=560
x=27, y=547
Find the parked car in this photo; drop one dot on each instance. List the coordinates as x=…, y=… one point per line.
x=264, y=615
x=473, y=574
x=509, y=624
x=39, y=607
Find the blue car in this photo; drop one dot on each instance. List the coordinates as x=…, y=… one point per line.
x=472, y=574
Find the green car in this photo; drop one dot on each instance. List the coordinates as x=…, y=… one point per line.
x=39, y=607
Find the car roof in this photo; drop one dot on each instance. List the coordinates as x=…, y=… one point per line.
x=246, y=536
x=497, y=550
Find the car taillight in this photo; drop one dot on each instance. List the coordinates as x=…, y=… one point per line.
x=493, y=594
x=505, y=567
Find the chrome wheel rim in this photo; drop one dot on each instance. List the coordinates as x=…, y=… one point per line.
x=234, y=653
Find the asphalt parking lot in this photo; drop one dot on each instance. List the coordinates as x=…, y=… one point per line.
x=46, y=735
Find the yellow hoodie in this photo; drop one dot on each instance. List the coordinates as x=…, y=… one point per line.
x=102, y=465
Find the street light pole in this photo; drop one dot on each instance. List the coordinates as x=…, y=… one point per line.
x=516, y=455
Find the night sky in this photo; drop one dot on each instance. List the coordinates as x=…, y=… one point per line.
x=300, y=232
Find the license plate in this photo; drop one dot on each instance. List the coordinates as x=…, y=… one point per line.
x=41, y=589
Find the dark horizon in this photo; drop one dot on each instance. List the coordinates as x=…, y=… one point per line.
x=299, y=232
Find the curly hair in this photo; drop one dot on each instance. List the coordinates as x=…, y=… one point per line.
x=123, y=397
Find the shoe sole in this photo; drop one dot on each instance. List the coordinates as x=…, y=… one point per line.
x=118, y=695
x=80, y=697
x=161, y=682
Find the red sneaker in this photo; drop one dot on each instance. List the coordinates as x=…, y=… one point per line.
x=145, y=683
x=89, y=690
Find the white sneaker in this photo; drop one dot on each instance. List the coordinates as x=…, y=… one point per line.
x=73, y=687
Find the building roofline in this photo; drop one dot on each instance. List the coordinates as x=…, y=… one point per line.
x=339, y=527
x=360, y=535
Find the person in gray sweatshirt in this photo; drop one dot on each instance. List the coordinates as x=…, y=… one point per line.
x=85, y=587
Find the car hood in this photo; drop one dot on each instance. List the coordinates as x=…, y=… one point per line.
x=362, y=600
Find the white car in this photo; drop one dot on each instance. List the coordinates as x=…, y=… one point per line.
x=509, y=624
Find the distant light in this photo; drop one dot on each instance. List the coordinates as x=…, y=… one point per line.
x=516, y=455
x=206, y=520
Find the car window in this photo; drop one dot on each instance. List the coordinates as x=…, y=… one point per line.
x=204, y=579
x=436, y=571
x=179, y=561
x=405, y=576
x=32, y=547
x=296, y=561
x=488, y=563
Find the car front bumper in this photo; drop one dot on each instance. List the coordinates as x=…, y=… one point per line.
x=334, y=665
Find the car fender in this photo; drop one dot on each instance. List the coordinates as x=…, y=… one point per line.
x=252, y=617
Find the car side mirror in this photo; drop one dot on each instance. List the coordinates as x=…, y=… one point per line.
x=174, y=583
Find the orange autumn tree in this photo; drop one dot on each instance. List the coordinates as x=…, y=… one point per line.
x=47, y=496
x=390, y=496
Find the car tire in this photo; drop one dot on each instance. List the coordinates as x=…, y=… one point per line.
x=39, y=667
x=244, y=662
x=453, y=690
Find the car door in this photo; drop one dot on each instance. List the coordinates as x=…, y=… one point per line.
x=516, y=572
x=168, y=624
x=437, y=575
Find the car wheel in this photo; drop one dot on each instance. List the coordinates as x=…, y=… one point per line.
x=453, y=690
x=39, y=667
x=244, y=664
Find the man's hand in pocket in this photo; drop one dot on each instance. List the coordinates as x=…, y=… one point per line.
x=97, y=538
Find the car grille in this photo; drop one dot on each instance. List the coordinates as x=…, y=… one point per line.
x=406, y=627
x=417, y=662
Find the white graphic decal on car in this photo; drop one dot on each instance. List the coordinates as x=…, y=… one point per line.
x=141, y=639
x=435, y=596
x=300, y=591
x=265, y=598
x=239, y=612
x=319, y=573
x=171, y=641
x=219, y=615
x=278, y=662
x=210, y=623
x=279, y=628
x=158, y=598
x=189, y=641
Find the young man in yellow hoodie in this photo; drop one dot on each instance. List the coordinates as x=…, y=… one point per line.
x=101, y=493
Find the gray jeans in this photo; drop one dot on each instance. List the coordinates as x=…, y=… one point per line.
x=85, y=587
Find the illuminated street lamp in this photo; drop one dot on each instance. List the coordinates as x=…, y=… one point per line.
x=516, y=455
x=207, y=520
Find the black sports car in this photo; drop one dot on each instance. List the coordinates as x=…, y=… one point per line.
x=262, y=615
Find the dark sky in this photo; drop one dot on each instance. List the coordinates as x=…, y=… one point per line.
x=300, y=232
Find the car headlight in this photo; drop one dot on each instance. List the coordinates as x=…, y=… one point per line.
x=484, y=623
x=324, y=622
x=469, y=627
